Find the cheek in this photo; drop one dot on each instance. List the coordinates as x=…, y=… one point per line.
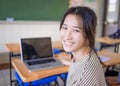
x=61, y=34
x=61, y=37
x=78, y=37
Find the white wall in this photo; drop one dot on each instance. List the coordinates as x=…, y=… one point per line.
x=11, y=32
x=99, y=13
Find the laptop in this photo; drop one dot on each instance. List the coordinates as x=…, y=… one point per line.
x=37, y=53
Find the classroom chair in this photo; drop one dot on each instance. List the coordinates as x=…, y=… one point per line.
x=115, y=35
x=41, y=82
x=63, y=76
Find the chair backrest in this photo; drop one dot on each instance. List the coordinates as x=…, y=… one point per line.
x=115, y=35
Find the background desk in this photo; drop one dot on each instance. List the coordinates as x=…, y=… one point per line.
x=15, y=47
x=114, y=57
x=109, y=41
x=14, y=50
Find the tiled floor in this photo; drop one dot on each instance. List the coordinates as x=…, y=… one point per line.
x=4, y=77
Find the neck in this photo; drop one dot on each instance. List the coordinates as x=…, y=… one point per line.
x=81, y=53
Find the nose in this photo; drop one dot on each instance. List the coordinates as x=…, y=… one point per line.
x=69, y=34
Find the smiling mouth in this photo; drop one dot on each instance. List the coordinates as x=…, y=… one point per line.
x=68, y=44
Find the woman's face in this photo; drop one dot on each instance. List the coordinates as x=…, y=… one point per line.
x=72, y=34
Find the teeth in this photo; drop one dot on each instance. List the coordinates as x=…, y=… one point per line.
x=68, y=43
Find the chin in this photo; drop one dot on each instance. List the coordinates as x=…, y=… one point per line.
x=67, y=49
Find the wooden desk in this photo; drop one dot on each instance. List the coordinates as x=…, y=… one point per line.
x=28, y=76
x=114, y=57
x=14, y=50
x=110, y=41
x=15, y=47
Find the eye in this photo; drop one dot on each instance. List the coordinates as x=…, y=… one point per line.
x=64, y=28
x=76, y=30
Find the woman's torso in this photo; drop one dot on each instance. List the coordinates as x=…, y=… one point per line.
x=87, y=71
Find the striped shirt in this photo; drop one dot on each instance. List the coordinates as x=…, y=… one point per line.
x=88, y=71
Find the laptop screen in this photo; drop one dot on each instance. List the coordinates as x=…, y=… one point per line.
x=36, y=48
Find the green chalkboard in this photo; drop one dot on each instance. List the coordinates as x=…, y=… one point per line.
x=33, y=9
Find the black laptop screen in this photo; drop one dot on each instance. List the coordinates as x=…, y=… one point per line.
x=35, y=48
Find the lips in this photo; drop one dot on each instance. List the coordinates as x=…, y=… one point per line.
x=67, y=44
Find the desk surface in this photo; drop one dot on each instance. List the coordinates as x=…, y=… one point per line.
x=13, y=47
x=108, y=40
x=114, y=57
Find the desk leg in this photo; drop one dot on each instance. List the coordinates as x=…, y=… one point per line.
x=116, y=48
x=30, y=83
x=65, y=80
x=10, y=55
x=101, y=46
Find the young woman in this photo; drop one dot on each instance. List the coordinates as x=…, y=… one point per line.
x=77, y=30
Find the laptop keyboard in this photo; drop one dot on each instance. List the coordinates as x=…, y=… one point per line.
x=41, y=61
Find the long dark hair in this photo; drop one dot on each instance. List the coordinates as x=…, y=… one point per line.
x=89, y=22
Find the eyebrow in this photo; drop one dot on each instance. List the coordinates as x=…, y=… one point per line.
x=65, y=24
x=77, y=27
x=73, y=26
